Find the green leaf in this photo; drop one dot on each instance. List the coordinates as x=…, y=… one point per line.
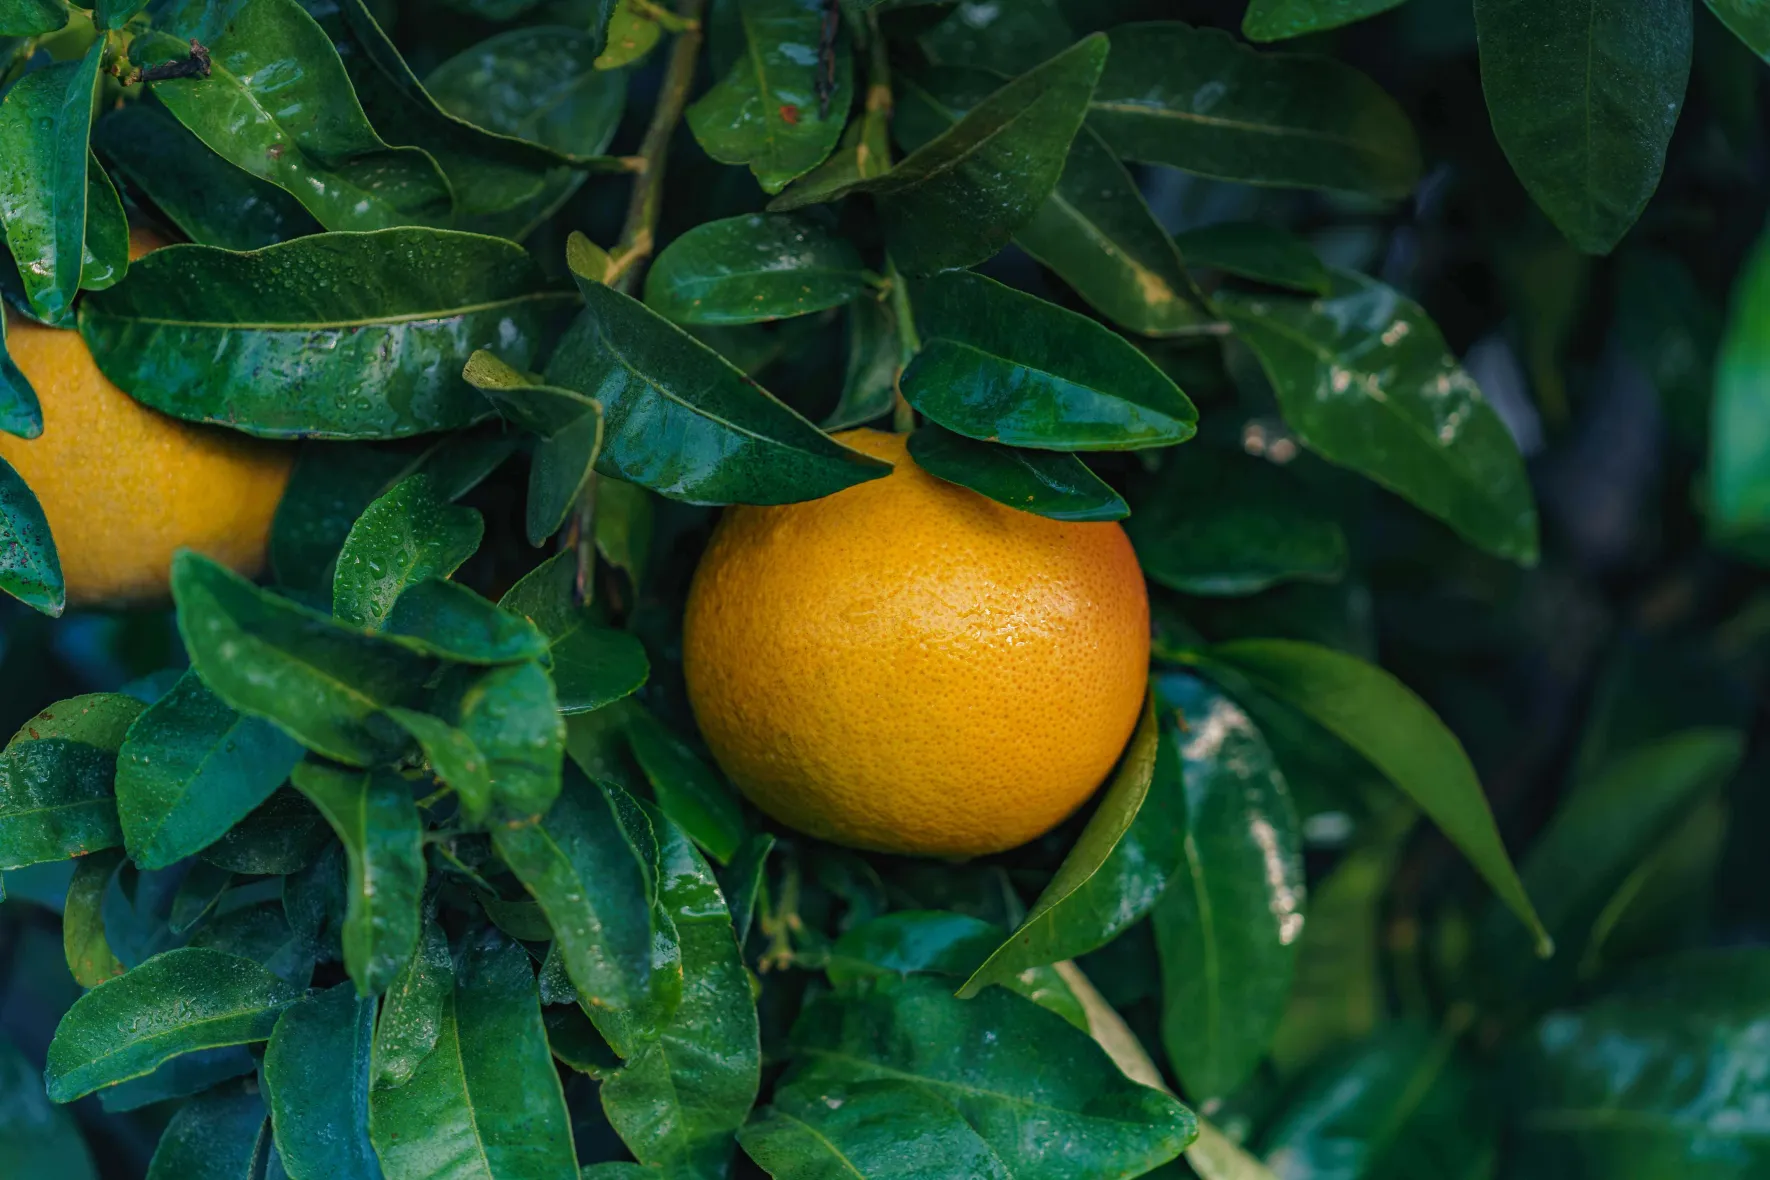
x=212, y=202
x=1365, y=381
x=538, y=84
x=279, y=104
x=89, y=956
x=560, y=473
x=182, y=1000
x=348, y=336
x=745, y=270
x=28, y=18
x=1606, y=827
x=1398, y=733
x=679, y=1102
x=412, y=1010
x=1258, y=251
x=1216, y=522
x=55, y=780
x=1198, y=99
x=770, y=112
x=383, y=837
x=113, y=14
x=183, y=1076
x=511, y=716
x=687, y=789
x=1094, y=230
x=959, y=198
x=1003, y=366
x=44, y=123
x=36, y=1138
x=874, y=1130
x=908, y=941
x=543, y=409
x=1010, y=37
x=30, y=569
x=486, y=1103
x=191, y=768
x=1584, y=98
x=1739, y=424
x=451, y=622
x=407, y=535
x=869, y=380
x=1276, y=20
x=631, y=34
x=1227, y=928
x=105, y=256
x=1663, y=1077
x=1396, y=1106
x=199, y=892
x=282, y=835
x=590, y=882
x=592, y=666
x=747, y=875
x=1047, y=483
x=1749, y=20
x=220, y=1135
x=1112, y=875
x=20, y=412
x=730, y=442
x=316, y=1083
x=322, y=683
x=1004, y=1064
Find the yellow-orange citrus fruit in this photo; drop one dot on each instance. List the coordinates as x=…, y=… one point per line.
x=123, y=486
x=908, y=666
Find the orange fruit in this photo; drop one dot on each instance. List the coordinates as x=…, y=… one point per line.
x=908, y=666
x=124, y=487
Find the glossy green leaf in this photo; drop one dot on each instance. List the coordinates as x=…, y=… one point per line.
x=1199, y=100
x=333, y=336
x=1380, y=718
x=1094, y=230
x=1663, y=1077
x=278, y=104
x=511, y=715
x=383, y=837
x=28, y=18
x=1217, y=522
x=55, y=780
x=744, y=270
x=282, y=835
x=959, y=198
x=872, y=1130
x=590, y=882
x=747, y=876
x=560, y=472
x=447, y=620
x=689, y=791
x=211, y=201
x=1749, y=20
x=486, y=1104
x=592, y=666
x=1584, y=97
x=1739, y=421
x=1002, y=366
x=770, y=112
x=316, y=1083
x=1113, y=874
x=632, y=32
x=412, y=1010
x=44, y=123
x=30, y=570
x=409, y=534
x=1256, y=250
x=36, y=1139
x=183, y=1000
x=729, y=441
x=20, y=412
x=105, y=256
x=1276, y=20
x=1228, y=926
x=904, y=942
x=88, y=955
x=1047, y=483
x=537, y=83
x=869, y=379
x=678, y=1103
x=1399, y=1105
x=190, y=768
x=543, y=409
x=220, y=1135
x=323, y=683
x=1365, y=380
x=1003, y=1063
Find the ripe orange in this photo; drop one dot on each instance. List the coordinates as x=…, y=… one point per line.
x=908, y=666
x=123, y=486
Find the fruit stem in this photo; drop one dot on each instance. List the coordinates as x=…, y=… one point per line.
x=638, y=235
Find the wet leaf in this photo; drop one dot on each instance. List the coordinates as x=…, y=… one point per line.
x=1258, y=251
x=44, y=123
x=689, y=791
x=407, y=535
x=30, y=570
x=745, y=270
x=316, y=1083
x=412, y=1010
x=592, y=665
x=1047, y=483
x=536, y=83
x=219, y=1135
x=55, y=780
x=867, y=1130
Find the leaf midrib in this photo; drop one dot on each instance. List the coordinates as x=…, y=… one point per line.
x=439, y=315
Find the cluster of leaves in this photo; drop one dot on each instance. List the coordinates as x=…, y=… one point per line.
x=416, y=870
